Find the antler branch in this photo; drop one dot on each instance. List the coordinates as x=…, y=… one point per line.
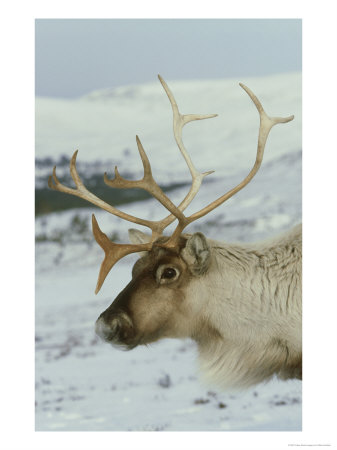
x=82, y=192
x=148, y=183
x=179, y=120
x=266, y=124
x=113, y=252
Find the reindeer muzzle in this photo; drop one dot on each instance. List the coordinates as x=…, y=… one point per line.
x=117, y=330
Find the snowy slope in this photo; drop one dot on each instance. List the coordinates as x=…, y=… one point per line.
x=83, y=384
x=103, y=125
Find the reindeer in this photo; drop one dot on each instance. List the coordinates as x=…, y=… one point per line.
x=241, y=304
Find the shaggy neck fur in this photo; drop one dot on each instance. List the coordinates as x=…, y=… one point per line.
x=252, y=328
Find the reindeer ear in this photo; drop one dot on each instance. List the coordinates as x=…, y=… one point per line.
x=138, y=237
x=197, y=254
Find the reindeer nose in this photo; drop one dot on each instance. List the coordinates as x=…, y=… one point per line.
x=107, y=331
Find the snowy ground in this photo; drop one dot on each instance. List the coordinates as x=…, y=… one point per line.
x=83, y=384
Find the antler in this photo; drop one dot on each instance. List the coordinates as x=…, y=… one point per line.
x=179, y=120
x=148, y=183
x=114, y=252
x=82, y=192
x=266, y=124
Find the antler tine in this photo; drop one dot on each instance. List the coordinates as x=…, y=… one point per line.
x=266, y=124
x=179, y=120
x=121, y=183
x=54, y=182
x=113, y=252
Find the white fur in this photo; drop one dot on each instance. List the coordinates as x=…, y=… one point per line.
x=251, y=297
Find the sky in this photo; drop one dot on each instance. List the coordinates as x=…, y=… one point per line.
x=76, y=56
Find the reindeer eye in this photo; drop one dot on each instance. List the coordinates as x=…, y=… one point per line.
x=168, y=273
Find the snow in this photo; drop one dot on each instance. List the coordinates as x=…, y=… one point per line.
x=103, y=126
x=83, y=384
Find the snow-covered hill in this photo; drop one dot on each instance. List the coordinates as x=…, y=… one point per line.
x=83, y=384
x=103, y=125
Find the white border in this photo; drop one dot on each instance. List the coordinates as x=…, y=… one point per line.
x=319, y=143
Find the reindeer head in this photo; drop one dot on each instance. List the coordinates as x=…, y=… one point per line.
x=164, y=296
x=157, y=302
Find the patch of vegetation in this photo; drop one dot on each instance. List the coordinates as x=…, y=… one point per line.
x=201, y=401
x=222, y=405
x=57, y=236
x=165, y=381
x=79, y=225
x=48, y=162
x=79, y=230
